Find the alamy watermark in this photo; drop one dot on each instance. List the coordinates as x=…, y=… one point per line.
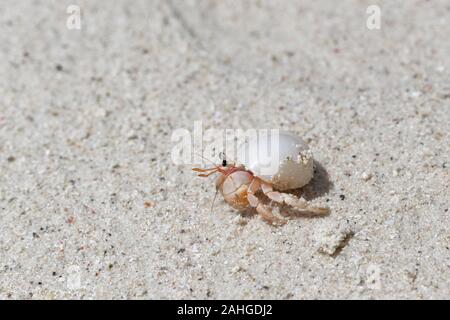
x=373, y=277
x=373, y=21
x=73, y=277
x=201, y=147
x=73, y=21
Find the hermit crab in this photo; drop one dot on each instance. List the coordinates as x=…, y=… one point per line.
x=253, y=184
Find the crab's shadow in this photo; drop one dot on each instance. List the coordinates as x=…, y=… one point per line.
x=319, y=186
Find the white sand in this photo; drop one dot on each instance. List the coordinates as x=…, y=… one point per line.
x=84, y=147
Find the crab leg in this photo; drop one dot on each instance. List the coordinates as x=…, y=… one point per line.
x=203, y=170
x=210, y=171
x=263, y=210
x=299, y=204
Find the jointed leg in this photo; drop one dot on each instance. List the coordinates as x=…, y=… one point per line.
x=299, y=204
x=263, y=210
x=208, y=171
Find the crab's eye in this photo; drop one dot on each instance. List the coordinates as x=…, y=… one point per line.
x=224, y=163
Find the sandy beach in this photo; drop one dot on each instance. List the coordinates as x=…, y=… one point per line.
x=93, y=207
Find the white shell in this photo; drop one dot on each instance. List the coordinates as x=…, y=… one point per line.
x=291, y=160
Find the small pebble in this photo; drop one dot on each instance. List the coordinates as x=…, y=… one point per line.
x=416, y=94
x=148, y=204
x=239, y=220
x=236, y=269
x=366, y=176
x=331, y=240
x=395, y=172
